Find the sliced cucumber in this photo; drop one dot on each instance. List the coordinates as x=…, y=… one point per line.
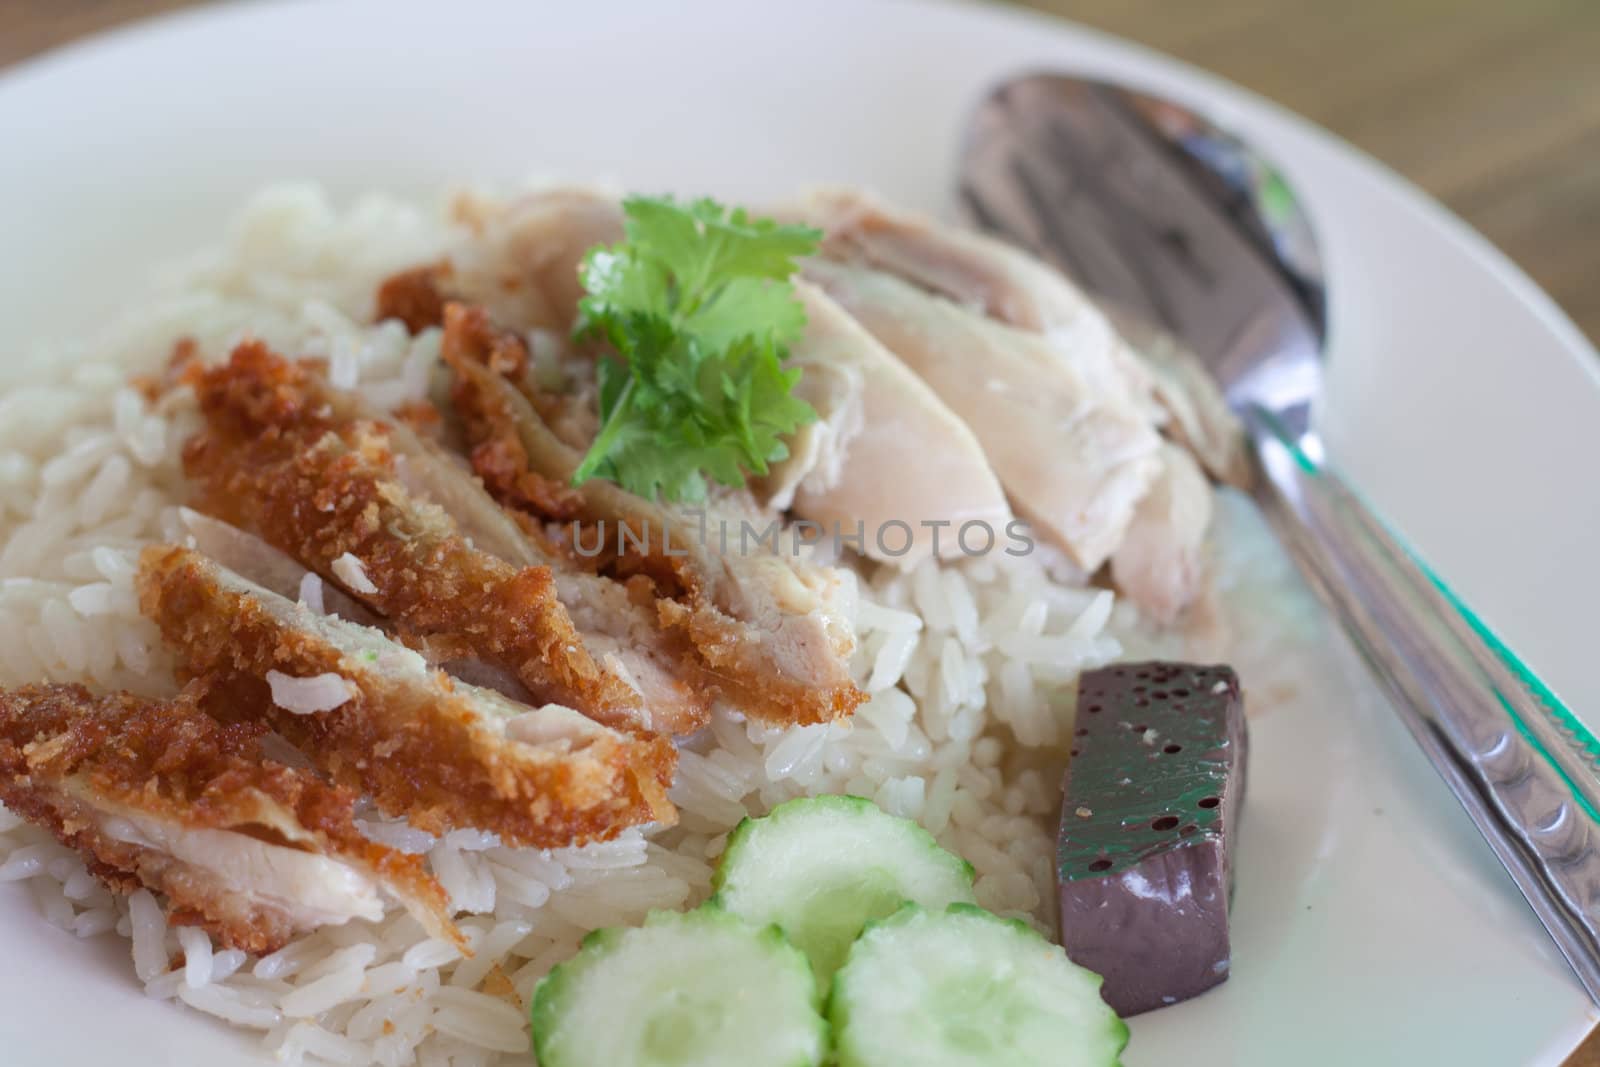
x=822, y=867
x=965, y=988
x=702, y=989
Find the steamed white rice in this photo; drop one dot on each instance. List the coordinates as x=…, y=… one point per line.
x=968, y=667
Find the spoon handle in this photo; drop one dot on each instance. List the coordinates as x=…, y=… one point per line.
x=1520, y=763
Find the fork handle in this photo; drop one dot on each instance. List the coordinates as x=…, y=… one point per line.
x=1520, y=764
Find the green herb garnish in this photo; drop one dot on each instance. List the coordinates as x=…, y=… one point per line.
x=698, y=306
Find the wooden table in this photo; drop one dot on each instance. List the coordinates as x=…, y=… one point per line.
x=1493, y=106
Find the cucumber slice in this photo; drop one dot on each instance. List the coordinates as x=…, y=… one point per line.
x=965, y=988
x=701, y=989
x=822, y=867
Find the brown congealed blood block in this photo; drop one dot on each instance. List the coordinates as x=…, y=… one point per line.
x=1144, y=859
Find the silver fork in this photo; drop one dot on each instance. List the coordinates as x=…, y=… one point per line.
x=1182, y=230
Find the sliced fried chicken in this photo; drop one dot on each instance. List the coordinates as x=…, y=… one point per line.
x=255, y=560
x=376, y=717
x=616, y=621
x=414, y=297
x=770, y=625
x=159, y=794
x=269, y=568
x=369, y=505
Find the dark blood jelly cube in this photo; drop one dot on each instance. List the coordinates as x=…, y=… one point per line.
x=1144, y=858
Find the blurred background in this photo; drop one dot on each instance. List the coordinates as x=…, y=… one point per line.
x=1493, y=106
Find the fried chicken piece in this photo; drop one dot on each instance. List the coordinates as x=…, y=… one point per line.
x=501, y=461
x=441, y=753
x=770, y=627
x=158, y=794
x=253, y=558
x=587, y=642
x=287, y=457
x=414, y=297
x=617, y=620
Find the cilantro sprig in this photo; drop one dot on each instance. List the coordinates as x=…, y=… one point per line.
x=698, y=307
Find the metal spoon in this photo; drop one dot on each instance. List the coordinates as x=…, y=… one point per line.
x=1178, y=227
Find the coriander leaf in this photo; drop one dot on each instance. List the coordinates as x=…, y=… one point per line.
x=704, y=245
x=698, y=306
x=746, y=302
x=617, y=282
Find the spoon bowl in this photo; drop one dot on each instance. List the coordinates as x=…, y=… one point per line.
x=1175, y=226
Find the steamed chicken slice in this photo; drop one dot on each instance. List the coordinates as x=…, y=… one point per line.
x=1074, y=460
x=1159, y=564
x=535, y=243
x=1013, y=287
x=981, y=273
x=1201, y=420
x=884, y=449
x=377, y=718
x=770, y=626
x=160, y=795
x=288, y=458
x=834, y=364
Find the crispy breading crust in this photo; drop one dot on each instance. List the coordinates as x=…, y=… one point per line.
x=278, y=457
x=414, y=297
x=492, y=410
x=169, y=760
x=419, y=751
x=185, y=352
x=500, y=458
x=746, y=678
x=488, y=405
x=502, y=463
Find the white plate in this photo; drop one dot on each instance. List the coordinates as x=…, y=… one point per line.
x=1461, y=401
